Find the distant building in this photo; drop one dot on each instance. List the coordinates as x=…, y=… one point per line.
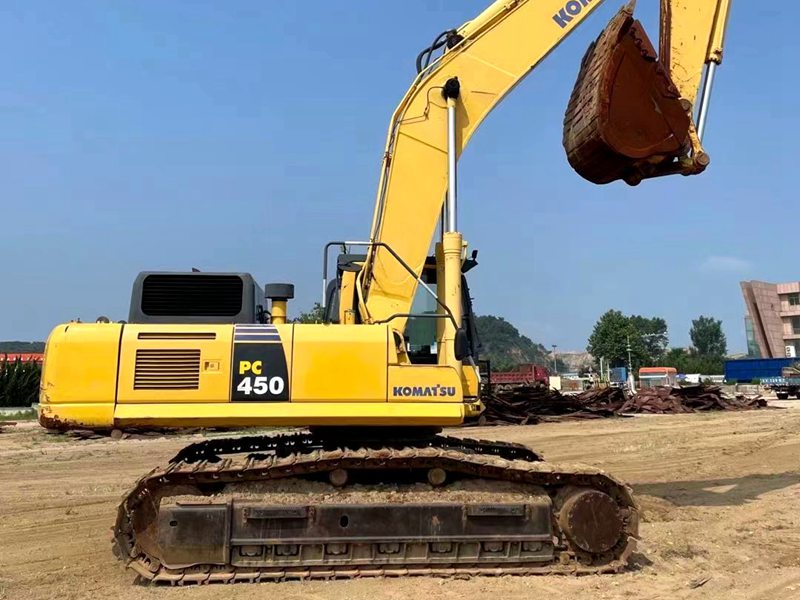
x=772, y=324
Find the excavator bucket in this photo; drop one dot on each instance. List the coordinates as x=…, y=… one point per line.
x=625, y=119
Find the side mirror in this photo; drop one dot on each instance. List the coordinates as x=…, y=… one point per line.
x=461, y=344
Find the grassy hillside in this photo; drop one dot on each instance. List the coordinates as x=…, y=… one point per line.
x=506, y=347
x=21, y=347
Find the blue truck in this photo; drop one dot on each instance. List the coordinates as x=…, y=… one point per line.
x=783, y=386
x=781, y=375
x=748, y=369
x=788, y=384
x=618, y=376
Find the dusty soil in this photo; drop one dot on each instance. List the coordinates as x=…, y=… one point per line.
x=720, y=493
x=297, y=491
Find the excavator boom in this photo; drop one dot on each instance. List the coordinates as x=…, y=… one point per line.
x=609, y=132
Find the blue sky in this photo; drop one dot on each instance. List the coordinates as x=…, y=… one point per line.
x=243, y=135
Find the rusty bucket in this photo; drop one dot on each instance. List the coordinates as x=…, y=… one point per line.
x=625, y=119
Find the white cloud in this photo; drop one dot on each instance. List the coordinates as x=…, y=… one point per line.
x=727, y=264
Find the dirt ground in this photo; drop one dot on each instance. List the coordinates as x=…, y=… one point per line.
x=720, y=494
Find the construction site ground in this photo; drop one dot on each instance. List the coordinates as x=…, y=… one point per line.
x=720, y=494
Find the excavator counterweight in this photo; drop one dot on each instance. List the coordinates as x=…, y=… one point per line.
x=625, y=119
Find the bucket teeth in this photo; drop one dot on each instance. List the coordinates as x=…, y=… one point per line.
x=625, y=117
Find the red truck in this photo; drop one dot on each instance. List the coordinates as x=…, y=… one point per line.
x=527, y=374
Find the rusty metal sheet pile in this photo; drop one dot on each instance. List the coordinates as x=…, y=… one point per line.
x=625, y=119
x=687, y=400
x=527, y=406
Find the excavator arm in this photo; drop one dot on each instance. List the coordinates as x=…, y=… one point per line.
x=487, y=57
x=692, y=36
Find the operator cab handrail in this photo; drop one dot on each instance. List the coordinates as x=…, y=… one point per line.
x=403, y=263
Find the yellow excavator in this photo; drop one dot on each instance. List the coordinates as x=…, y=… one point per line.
x=367, y=485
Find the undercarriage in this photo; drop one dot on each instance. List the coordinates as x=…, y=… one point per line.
x=338, y=504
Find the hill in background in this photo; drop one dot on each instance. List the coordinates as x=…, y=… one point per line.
x=21, y=347
x=506, y=347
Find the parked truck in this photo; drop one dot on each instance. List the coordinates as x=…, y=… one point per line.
x=788, y=384
x=526, y=374
x=749, y=369
x=618, y=376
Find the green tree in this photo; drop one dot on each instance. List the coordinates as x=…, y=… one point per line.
x=689, y=361
x=678, y=358
x=315, y=315
x=654, y=336
x=609, y=338
x=708, y=338
x=614, y=331
x=706, y=365
x=707, y=355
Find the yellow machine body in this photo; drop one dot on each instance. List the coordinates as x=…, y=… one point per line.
x=110, y=375
x=358, y=371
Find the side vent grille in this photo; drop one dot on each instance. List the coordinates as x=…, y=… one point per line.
x=167, y=369
x=178, y=335
x=192, y=296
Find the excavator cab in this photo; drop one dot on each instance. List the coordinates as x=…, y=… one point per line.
x=626, y=118
x=422, y=330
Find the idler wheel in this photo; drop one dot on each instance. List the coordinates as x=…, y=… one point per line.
x=591, y=521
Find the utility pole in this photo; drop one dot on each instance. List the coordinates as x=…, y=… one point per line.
x=555, y=359
x=631, y=380
x=630, y=361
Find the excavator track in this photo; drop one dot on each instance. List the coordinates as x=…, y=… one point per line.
x=580, y=520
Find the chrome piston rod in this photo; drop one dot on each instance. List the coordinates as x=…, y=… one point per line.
x=705, y=99
x=451, y=91
x=451, y=205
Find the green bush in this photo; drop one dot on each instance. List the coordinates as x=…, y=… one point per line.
x=19, y=382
